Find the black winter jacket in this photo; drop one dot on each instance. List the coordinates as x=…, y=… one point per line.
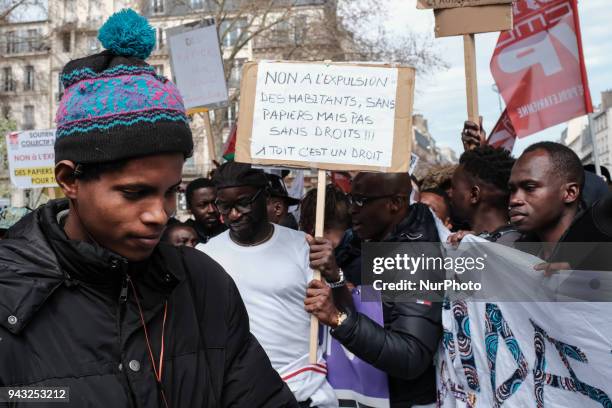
x=405, y=347
x=68, y=318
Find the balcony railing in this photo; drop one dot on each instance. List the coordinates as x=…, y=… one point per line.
x=23, y=45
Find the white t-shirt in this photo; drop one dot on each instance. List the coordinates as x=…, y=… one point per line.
x=272, y=279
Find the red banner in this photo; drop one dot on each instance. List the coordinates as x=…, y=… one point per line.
x=229, y=150
x=342, y=180
x=503, y=134
x=539, y=66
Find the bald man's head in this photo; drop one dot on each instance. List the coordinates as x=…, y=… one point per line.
x=384, y=183
x=380, y=202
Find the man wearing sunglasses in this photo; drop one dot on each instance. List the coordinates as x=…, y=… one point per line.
x=270, y=266
x=405, y=346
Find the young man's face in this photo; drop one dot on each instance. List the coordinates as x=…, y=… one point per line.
x=183, y=236
x=536, y=193
x=203, y=207
x=126, y=211
x=244, y=224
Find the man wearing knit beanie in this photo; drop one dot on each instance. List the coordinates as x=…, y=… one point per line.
x=91, y=304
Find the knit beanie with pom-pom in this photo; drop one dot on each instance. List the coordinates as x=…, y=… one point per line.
x=115, y=106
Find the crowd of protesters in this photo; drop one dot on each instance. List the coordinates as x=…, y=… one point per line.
x=537, y=197
x=218, y=313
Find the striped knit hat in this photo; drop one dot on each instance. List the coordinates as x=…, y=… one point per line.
x=115, y=106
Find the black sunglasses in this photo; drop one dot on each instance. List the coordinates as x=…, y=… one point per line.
x=360, y=201
x=242, y=206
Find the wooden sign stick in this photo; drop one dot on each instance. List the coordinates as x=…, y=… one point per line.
x=209, y=138
x=471, y=81
x=319, y=228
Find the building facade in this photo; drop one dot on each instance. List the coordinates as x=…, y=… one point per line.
x=424, y=145
x=34, y=53
x=578, y=136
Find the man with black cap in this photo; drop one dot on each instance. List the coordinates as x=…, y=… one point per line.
x=270, y=265
x=90, y=301
x=279, y=202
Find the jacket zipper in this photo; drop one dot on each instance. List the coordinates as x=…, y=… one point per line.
x=124, y=290
x=123, y=295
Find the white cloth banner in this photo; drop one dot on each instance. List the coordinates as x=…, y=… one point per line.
x=524, y=354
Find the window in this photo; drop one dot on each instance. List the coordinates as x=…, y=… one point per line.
x=160, y=38
x=300, y=29
x=28, y=83
x=28, y=117
x=11, y=42
x=70, y=6
x=6, y=112
x=231, y=31
x=92, y=43
x=157, y=6
x=196, y=4
x=231, y=113
x=8, y=85
x=159, y=69
x=66, y=41
x=234, y=80
x=60, y=86
x=32, y=41
x=280, y=33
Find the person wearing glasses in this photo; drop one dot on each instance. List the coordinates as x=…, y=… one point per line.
x=270, y=265
x=405, y=346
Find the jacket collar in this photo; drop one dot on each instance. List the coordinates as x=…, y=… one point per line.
x=38, y=257
x=80, y=261
x=418, y=225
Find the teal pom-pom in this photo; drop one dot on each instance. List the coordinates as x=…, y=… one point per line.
x=128, y=34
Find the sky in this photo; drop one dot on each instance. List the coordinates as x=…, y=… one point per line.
x=440, y=96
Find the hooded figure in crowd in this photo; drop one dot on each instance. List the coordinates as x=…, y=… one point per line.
x=90, y=300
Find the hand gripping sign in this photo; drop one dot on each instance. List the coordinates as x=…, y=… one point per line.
x=329, y=116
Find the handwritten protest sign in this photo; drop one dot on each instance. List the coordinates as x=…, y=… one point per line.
x=326, y=116
x=31, y=158
x=197, y=66
x=329, y=116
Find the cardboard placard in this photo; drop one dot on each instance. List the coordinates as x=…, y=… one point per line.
x=472, y=20
x=439, y=4
x=197, y=65
x=31, y=158
x=332, y=116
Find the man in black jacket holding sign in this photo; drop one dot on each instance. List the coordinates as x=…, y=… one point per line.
x=405, y=346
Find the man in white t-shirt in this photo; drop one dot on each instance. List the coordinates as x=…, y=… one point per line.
x=270, y=265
